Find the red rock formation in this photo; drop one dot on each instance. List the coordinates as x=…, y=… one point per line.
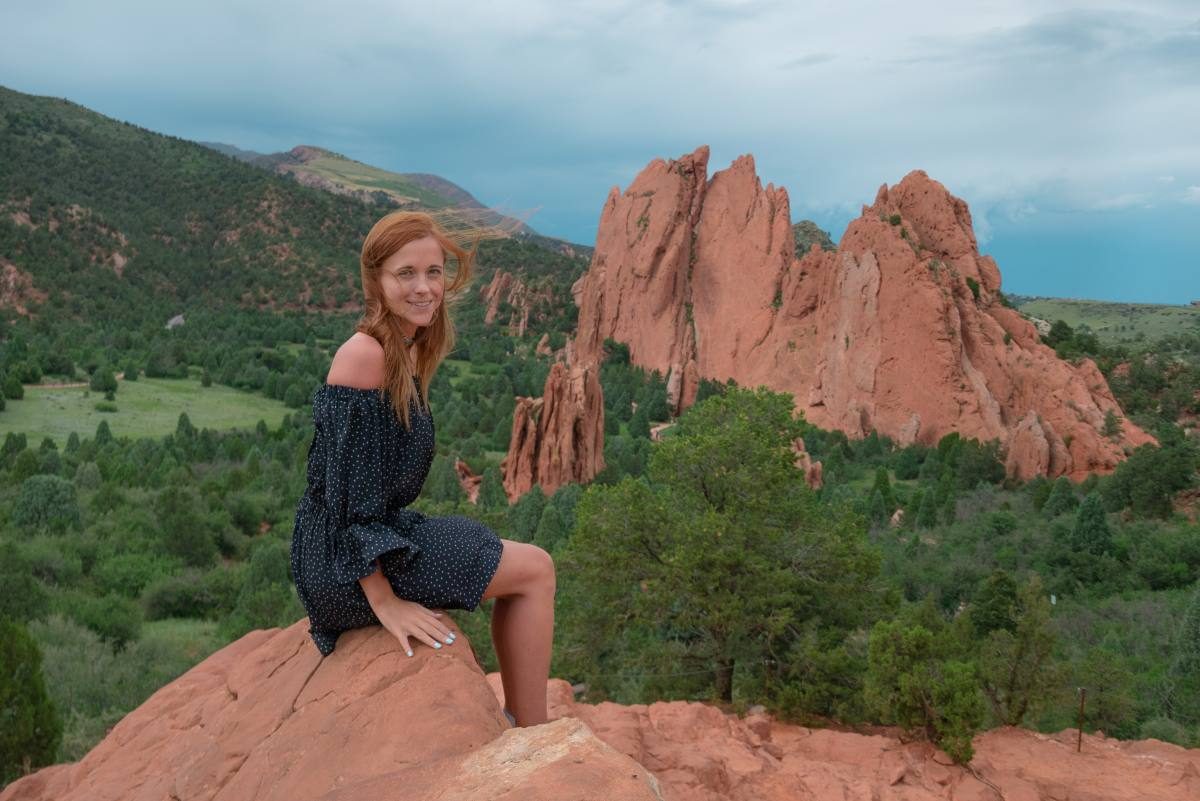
x=900, y=330
x=267, y=719
x=813, y=472
x=636, y=289
x=699, y=753
x=467, y=480
x=558, y=438
x=507, y=288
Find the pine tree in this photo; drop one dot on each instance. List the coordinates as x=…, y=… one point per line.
x=491, y=490
x=32, y=729
x=442, y=484
x=103, y=434
x=1062, y=498
x=928, y=516
x=1091, y=533
x=883, y=486
x=995, y=604
x=526, y=513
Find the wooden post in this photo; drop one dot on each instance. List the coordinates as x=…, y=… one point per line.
x=1082, y=698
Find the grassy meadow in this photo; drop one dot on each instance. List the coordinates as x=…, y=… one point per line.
x=148, y=407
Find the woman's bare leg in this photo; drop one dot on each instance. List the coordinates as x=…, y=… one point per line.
x=523, y=627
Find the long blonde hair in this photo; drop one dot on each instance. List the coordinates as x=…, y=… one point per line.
x=432, y=342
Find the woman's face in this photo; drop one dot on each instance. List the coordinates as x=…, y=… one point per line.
x=413, y=282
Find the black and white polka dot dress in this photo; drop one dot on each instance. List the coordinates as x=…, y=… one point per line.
x=364, y=468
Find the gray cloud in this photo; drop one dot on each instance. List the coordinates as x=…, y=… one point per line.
x=548, y=104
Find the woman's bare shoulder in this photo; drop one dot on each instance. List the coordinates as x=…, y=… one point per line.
x=358, y=363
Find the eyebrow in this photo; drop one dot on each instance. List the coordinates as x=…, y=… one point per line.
x=430, y=267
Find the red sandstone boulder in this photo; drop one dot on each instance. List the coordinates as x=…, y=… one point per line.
x=266, y=719
x=699, y=753
x=901, y=330
x=558, y=438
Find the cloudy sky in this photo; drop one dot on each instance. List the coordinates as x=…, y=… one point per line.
x=1072, y=129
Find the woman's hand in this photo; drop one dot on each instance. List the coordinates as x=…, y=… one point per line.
x=409, y=619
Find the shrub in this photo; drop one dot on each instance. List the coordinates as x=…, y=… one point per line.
x=117, y=619
x=913, y=681
x=191, y=594
x=23, y=597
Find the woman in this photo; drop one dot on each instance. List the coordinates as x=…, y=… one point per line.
x=359, y=557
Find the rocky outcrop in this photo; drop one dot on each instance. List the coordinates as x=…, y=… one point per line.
x=509, y=289
x=267, y=718
x=17, y=291
x=467, y=480
x=813, y=472
x=558, y=438
x=636, y=289
x=901, y=330
x=699, y=753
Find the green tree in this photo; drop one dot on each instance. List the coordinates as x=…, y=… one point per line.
x=442, y=484
x=24, y=597
x=103, y=434
x=47, y=503
x=526, y=513
x=184, y=429
x=995, y=604
x=1015, y=664
x=1091, y=533
x=102, y=380
x=551, y=530
x=721, y=553
x=1062, y=498
x=32, y=730
x=183, y=527
x=883, y=486
x=491, y=490
x=13, y=390
x=1112, y=425
x=927, y=517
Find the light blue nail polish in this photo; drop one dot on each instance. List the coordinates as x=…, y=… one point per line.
x=409, y=653
x=437, y=645
x=450, y=640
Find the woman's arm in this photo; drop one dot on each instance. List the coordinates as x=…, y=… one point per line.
x=376, y=587
x=403, y=618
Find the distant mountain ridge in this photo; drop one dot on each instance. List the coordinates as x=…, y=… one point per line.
x=324, y=169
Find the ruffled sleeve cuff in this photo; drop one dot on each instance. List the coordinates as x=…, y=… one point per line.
x=359, y=545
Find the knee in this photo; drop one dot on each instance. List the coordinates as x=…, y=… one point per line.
x=543, y=570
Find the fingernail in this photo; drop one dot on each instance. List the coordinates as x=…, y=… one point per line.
x=408, y=652
x=437, y=645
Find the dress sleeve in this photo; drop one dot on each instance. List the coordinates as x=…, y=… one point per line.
x=356, y=492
